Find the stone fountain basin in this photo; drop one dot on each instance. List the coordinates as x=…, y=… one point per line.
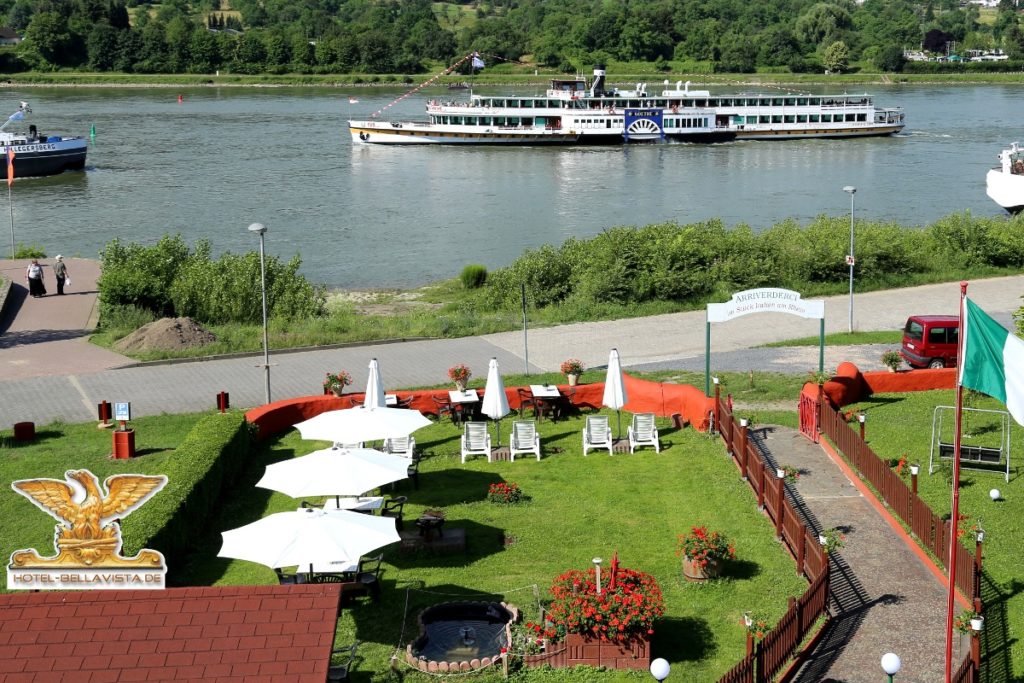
x=461, y=636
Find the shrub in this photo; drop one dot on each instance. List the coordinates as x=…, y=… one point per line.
x=703, y=546
x=209, y=457
x=505, y=493
x=473, y=276
x=29, y=251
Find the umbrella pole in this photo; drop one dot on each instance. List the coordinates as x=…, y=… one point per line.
x=618, y=411
x=497, y=428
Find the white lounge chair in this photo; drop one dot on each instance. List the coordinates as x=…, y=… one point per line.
x=596, y=433
x=476, y=440
x=338, y=444
x=524, y=439
x=404, y=446
x=643, y=432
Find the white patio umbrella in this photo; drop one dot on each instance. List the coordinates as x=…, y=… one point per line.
x=374, y=388
x=495, y=403
x=614, y=391
x=334, y=472
x=362, y=424
x=308, y=537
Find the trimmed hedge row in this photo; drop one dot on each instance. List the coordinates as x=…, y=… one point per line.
x=210, y=456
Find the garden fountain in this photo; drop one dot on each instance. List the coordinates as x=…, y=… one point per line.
x=461, y=636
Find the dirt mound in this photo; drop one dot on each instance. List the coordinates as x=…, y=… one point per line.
x=166, y=334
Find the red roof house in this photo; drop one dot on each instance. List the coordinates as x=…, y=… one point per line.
x=230, y=633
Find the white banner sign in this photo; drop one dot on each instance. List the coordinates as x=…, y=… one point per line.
x=765, y=300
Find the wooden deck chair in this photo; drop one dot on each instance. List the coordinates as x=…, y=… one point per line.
x=524, y=439
x=643, y=432
x=404, y=446
x=596, y=433
x=476, y=440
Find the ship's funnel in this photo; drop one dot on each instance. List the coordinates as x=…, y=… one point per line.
x=597, y=87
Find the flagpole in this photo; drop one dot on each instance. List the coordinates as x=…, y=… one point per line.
x=955, y=514
x=10, y=197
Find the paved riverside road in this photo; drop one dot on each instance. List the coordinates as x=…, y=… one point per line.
x=49, y=371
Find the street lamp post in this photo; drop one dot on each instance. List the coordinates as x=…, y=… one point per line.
x=261, y=230
x=850, y=259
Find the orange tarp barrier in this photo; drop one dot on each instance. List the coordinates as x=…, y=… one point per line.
x=644, y=397
x=850, y=385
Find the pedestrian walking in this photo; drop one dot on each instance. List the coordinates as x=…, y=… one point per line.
x=34, y=275
x=60, y=272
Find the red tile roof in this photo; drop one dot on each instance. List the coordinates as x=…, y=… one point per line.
x=230, y=633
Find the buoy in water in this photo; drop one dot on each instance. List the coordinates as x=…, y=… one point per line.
x=181, y=99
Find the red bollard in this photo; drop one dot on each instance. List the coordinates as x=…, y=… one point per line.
x=223, y=402
x=25, y=431
x=124, y=444
x=103, y=414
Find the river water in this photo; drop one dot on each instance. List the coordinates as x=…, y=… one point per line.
x=364, y=216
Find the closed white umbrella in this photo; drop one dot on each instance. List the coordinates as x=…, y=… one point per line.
x=361, y=424
x=374, y=388
x=614, y=390
x=495, y=403
x=334, y=472
x=308, y=537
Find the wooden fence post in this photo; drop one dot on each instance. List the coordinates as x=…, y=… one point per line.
x=801, y=550
x=744, y=432
x=780, y=506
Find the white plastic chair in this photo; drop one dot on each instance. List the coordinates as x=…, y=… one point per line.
x=404, y=446
x=596, y=433
x=643, y=432
x=338, y=444
x=476, y=440
x=524, y=439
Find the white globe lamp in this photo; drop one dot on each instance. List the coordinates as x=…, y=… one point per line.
x=994, y=494
x=660, y=669
x=891, y=664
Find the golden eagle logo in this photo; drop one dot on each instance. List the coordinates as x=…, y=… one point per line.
x=88, y=535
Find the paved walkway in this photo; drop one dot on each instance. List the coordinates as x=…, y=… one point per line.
x=885, y=597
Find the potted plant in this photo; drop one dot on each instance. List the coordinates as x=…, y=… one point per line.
x=892, y=360
x=831, y=539
x=459, y=374
x=757, y=626
x=968, y=621
x=704, y=553
x=620, y=617
x=789, y=473
x=336, y=382
x=572, y=369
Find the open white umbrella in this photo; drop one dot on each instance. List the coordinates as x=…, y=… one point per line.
x=614, y=391
x=374, y=388
x=308, y=537
x=495, y=403
x=334, y=472
x=362, y=424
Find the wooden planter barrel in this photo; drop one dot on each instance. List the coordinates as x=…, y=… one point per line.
x=693, y=571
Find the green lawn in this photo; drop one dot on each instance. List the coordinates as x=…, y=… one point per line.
x=579, y=508
x=902, y=423
x=59, y=447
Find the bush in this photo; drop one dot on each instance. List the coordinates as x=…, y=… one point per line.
x=30, y=251
x=170, y=280
x=473, y=276
x=210, y=456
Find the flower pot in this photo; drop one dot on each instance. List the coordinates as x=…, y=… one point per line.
x=694, y=571
x=460, y=386
x=573, y=378
x=338, y=391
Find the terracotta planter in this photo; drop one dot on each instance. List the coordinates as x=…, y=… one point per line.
x=693, y=571
x=578, y=650
x=573, y=378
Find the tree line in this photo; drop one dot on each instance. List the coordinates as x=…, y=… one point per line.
x=410, y=36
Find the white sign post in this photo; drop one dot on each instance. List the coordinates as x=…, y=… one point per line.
x=763, y=300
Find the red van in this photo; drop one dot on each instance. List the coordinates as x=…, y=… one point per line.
x=930, y=341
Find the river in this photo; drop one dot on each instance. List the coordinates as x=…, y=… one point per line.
x=371, y=217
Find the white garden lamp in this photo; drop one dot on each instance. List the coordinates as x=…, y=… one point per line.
x=891, y=664
x=660, y=669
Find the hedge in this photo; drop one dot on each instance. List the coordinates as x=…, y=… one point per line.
x=211, y=455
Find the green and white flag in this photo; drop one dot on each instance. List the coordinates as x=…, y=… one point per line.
x=993, y=361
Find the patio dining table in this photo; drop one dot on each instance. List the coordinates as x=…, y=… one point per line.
x=464, y=403
x=549, y=400
x=354, y=503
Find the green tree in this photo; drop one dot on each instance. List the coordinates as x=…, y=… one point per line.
x=822, y=24
x=47, y=41
x=738, y=54
x=890, y=58
x=102, y=44
x=203, y=50
x=836, y=57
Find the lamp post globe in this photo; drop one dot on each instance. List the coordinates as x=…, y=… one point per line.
x=660, y=669
x=260, y=229
x=891, y=664
x=851, y=190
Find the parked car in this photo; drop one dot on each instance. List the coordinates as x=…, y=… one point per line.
x=931, y=341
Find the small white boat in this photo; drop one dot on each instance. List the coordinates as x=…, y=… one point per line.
x=1005, y=183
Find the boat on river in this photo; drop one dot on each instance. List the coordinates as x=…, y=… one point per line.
x=574, y=111
x=1005, y=183
x=36, y=154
